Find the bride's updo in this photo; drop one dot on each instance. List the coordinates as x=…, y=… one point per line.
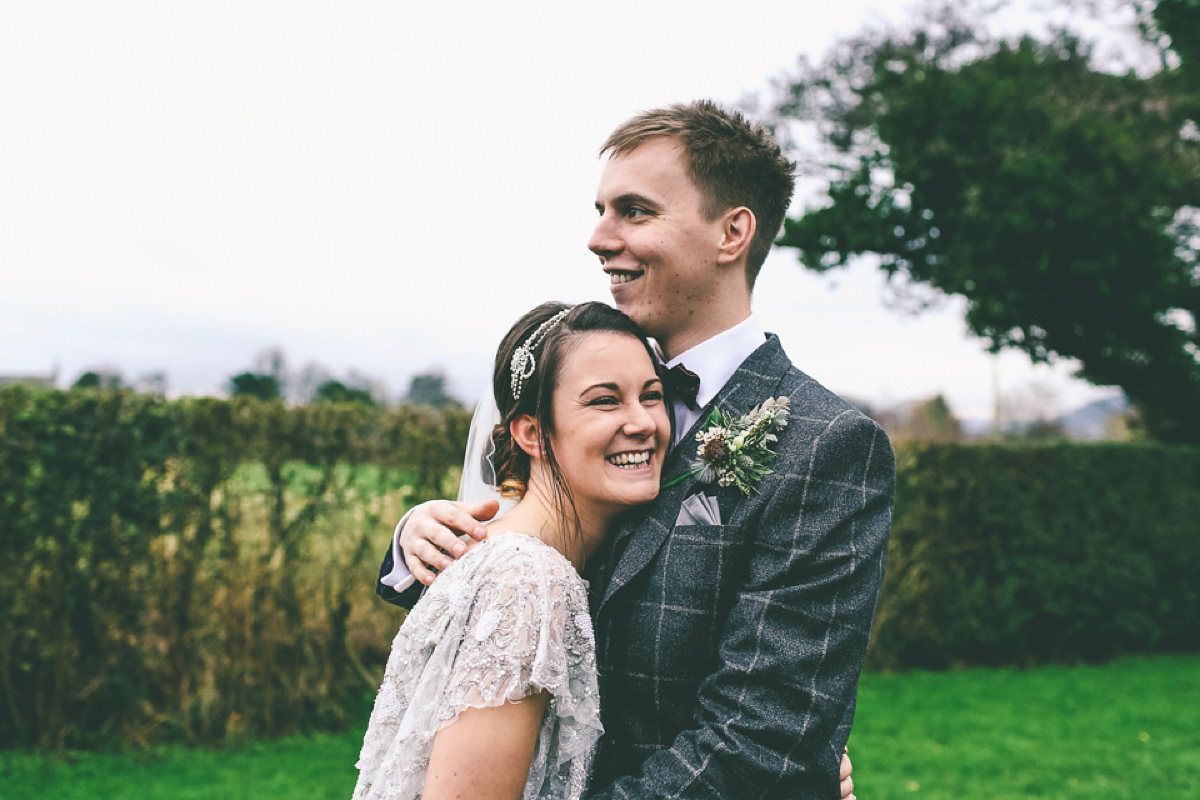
x=526, y=371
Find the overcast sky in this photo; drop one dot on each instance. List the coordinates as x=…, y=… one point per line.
x=386, y=186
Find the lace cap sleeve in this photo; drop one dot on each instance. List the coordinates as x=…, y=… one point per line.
x=528, y=630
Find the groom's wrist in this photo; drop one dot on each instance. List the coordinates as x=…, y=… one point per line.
x=400, y=578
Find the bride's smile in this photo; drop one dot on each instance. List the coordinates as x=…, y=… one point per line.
x=631, y=461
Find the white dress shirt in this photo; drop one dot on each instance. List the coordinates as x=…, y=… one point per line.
x=714, y=361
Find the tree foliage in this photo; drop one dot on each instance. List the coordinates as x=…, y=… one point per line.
x=1180, y=21
x=1059, y=200
x=933, y=421
x=334, y=391
x=429, y=390
x=255, y=384
x=99, y=380
x=930, y=420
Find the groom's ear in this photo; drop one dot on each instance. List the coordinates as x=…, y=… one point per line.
x=526, y=434
x=737, y=232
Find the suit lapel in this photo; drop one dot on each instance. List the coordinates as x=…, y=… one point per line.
x=754, y=381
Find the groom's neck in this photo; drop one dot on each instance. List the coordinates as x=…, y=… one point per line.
x=673, y=345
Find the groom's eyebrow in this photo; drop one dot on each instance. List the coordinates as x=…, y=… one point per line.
x=628, y=199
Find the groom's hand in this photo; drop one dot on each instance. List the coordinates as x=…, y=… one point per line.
x=847, y=783
x=429, y=537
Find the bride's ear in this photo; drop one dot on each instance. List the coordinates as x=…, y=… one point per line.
x=525, y=433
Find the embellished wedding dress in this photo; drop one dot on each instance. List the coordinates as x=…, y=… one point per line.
x=508, y=619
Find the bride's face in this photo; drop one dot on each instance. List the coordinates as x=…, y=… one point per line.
x=611, y=430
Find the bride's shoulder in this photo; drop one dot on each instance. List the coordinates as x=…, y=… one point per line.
x=508, y=568
x=512, y=553
x=515, y=564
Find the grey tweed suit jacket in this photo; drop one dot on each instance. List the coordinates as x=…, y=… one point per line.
x=729, y=654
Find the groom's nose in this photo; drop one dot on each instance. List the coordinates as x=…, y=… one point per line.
x=604, y=242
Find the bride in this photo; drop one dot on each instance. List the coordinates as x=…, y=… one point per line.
x=491, y=690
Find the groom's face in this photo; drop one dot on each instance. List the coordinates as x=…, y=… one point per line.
x=655, y=240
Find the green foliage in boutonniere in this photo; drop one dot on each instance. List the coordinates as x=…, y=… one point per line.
x=735, y=452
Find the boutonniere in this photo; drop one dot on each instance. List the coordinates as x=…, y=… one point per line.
x=735, y=452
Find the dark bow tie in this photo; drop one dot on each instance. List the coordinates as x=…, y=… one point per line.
x=683, y=384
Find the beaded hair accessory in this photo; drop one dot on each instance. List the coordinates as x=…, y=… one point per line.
x=523, y=363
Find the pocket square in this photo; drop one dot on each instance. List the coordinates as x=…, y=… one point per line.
x=699, y=509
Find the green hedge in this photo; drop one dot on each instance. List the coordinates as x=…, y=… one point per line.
x=199, y=569
x=196, y=568
x=1022, y=555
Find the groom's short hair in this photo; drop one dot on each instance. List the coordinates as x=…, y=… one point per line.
x=731, y=160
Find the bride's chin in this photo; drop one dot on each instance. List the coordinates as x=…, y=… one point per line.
x=642, y=496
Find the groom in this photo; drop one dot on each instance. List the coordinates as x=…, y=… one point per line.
x=729, y=651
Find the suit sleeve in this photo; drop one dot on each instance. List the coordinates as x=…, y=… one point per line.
x=405, y=599
x=772, y=719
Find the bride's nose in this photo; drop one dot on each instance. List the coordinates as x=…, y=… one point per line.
x=640, y=423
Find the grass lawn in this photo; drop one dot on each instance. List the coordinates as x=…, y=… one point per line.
x=1124, y=730
x=313, y=768
x=1130, y=729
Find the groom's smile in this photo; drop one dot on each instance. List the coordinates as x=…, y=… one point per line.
x=617, y=277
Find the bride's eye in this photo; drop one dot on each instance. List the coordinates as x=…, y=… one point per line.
x=604, y=400
x=653, y=396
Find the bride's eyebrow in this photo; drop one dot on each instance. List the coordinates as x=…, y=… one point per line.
x=612, y=387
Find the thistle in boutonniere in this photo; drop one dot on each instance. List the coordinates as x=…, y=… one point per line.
x=735, y=452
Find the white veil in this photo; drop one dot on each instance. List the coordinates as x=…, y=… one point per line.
x=478, y=481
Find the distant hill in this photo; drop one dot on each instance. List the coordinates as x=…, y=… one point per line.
x=1090, y=422
x=1086, y=423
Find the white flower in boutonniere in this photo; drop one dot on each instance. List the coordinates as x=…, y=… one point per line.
x=735, y=452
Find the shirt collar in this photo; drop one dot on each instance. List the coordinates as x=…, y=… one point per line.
x=716, y=359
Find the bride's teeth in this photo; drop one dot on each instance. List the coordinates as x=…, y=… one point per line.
x=629, y=459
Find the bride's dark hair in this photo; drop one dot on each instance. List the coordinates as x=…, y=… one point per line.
x=549, y=351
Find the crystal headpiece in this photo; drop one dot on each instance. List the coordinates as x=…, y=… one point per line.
x=523, y=363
